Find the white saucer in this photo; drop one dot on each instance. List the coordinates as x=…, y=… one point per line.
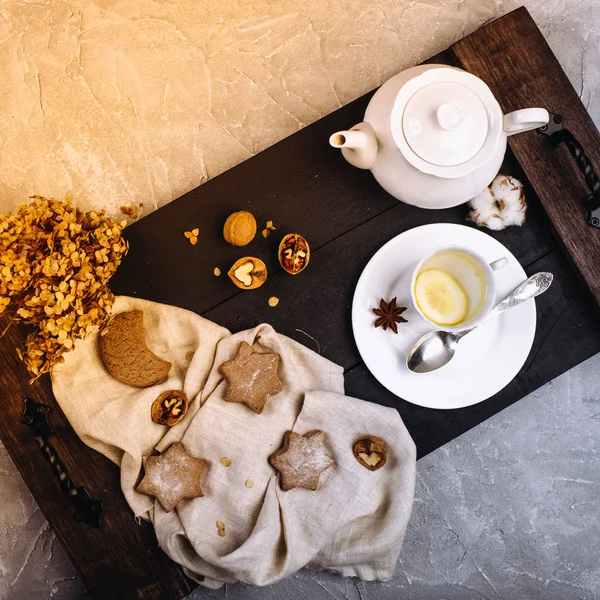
x=486, y=360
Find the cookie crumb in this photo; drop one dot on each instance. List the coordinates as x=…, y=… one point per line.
x=266, y=233
x=249, y=483
x=225, y=461
x=217, y=271
x=273, y=301
x=221, y=528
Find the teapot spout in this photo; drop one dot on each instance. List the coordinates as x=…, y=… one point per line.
x=354, y=139
x=358, y=145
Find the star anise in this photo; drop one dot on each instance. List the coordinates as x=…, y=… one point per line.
x=388, y=314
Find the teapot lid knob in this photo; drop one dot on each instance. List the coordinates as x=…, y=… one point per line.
x=449, y=115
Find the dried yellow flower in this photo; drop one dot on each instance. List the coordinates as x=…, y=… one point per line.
x=268, y=228
x=130, y=211
x=55, y=264
x=192, y=236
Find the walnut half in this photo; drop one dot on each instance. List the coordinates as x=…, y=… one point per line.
x=294, y=253
x=370, y=452
x=169, y=408
x=248, y=273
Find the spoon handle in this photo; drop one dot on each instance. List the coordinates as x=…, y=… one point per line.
x=537, y=284
x=534, y=286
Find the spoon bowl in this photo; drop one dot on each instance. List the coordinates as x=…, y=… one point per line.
x=432, y=351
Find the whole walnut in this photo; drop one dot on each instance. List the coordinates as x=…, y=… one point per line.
x=240, y=228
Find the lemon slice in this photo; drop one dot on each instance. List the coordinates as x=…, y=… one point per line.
x=440, y=297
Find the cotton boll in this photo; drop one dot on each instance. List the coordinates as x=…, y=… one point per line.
x=483, y=208
x=507, y=190
x=495, y=223
x=513, y=217
x=484, y=204
x=500, y=205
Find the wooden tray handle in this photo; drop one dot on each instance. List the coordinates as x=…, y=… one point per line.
x=558, y=136
x=87, y=509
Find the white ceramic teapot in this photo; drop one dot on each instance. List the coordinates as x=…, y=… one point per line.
x=434, y=136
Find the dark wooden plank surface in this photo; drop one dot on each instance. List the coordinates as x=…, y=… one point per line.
x=319, y=301
x=526, y=73
x=317, y=304
x=299, y=183
x=304, y=186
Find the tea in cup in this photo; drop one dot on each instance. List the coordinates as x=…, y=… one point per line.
x=453, y=288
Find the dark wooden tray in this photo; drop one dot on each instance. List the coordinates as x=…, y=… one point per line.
x=305, y=186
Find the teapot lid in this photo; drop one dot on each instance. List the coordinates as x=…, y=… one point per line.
x=446, y=122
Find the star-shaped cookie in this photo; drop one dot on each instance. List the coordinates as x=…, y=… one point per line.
x=251, y=377
x=172, y=476
x=301, y=459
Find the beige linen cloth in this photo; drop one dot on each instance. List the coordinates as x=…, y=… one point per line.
x=353, y=524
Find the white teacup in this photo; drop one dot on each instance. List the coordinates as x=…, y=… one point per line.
x=473, y=273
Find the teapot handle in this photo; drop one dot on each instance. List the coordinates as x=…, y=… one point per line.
x=525, y=119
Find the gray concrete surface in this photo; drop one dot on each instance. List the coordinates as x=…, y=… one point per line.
x=509, y=510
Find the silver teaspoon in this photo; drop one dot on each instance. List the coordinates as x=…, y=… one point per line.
x=436, y=348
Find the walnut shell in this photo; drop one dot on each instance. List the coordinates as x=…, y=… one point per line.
x=240, y=228
x=370, y=452
x=293, y=253
x=169, y=408
x=248, y=273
